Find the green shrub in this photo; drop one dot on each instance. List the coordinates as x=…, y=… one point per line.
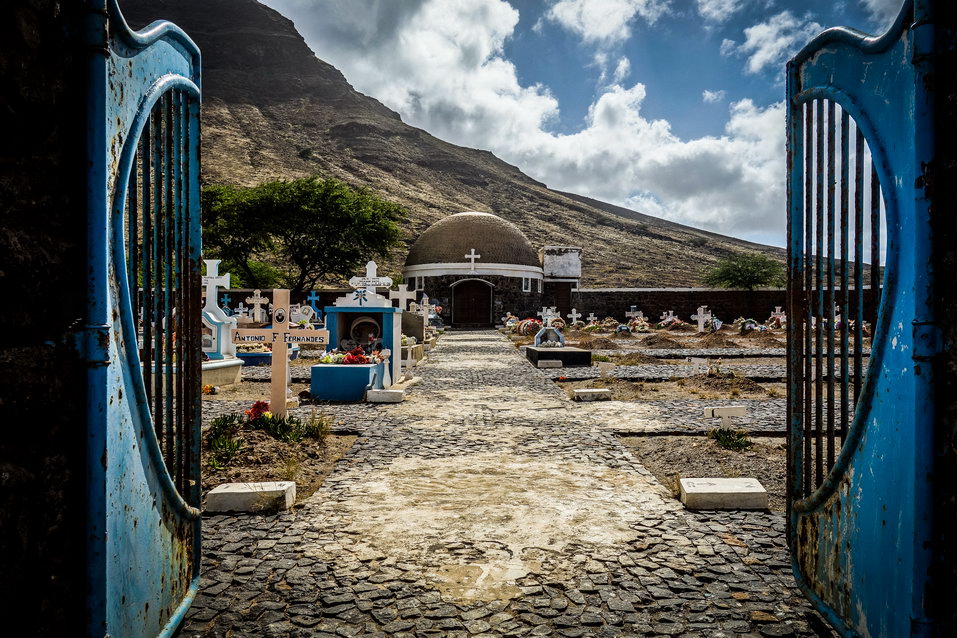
x=734, y=440
x=222, y=449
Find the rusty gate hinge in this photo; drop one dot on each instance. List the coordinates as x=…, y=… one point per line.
x=93, y=344
x=927, y=340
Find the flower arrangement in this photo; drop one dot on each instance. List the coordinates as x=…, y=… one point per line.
x=528, y=327
x=639, y=325
x=577, y=325
x=713, y=324
x=252, y=347
x=356, y=356
x=558, y=323
x=210, y=389
x=745, y=326
x=670, y=323
x=258, y=410
x=592, y=327
x=609, y=323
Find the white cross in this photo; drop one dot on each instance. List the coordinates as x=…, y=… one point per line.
x=213, y=280
x=634, y=313
x=241, y=310
x=702, y=316
x=547, y=314
x=574, y=315
x=403, y=294
x=591, y=317
x=471, y=256
x=257, y=300
x=667, y=315
x=371, y=280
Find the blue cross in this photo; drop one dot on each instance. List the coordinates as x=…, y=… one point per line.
x=312, y=299
x=226, y=299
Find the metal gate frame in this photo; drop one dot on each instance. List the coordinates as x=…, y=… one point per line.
x=861, y=540
x=143, y=548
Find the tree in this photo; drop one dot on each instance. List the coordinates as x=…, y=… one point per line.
x=297, y=233
x=746, y=270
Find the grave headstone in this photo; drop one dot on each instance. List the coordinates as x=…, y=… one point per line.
x=634, y=313
x=702, y=317
x=667, y=315
x=403, y=294
x=257, y=313
x=574, y=315
x=699, y=365
x=280, y=336
x=217, y=325
x=591, y=317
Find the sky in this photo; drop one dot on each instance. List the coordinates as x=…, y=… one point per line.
x=673, y=108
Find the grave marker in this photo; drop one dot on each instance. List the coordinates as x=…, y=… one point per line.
x=280, y=336
x=725, y=413
x=257, y=314
x=403, y=294
x=699, y=365
x=313, y=298
x=635, y=314
x=591, y=317
x=702, y=317
x=574, y=315
x=371, y=280
x=667, y=315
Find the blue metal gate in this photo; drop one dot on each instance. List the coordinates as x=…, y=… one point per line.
x=143, y=347
x=860, y=427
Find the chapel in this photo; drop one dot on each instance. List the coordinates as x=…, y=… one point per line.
x=478, y=266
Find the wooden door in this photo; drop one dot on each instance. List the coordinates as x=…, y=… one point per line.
x=472, y=303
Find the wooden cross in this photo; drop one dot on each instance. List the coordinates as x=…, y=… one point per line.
x=634, y=313
x=574, y=315
x=257, y=300
x=472, y=257
x=280, y=336
x=403, y=294
x=701, y=317
x=212, y=281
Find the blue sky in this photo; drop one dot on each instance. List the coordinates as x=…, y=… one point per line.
x=669, y=107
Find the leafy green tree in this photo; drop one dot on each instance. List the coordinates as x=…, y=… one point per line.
x=296, y=233
x=746, y=270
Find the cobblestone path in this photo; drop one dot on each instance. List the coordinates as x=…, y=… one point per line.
x=488, y=504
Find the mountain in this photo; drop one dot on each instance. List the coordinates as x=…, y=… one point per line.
x=272, y=110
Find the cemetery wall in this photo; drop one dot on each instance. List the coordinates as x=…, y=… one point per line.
x=727, y=305
x=42, y=254
x=507, y=296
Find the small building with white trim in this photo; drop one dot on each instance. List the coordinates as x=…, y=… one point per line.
x=478, y=267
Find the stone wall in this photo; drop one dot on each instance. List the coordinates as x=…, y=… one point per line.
x=42, y=268
x=724, y=304
x=507, y=296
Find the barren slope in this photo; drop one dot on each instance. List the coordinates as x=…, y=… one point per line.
x=273, y=110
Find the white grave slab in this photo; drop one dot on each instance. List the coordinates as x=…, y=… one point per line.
x=251, y=497
x=385, y=396
x=723, y=494
x=725, y=412
x=605, y=368
x=593, y=394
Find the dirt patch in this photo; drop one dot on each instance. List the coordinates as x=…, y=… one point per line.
x=672, y=457
x=625, y=390
x=250, y=391
x=762, y=340
x=264, y=458
x=660, y=341
x=600, y=343
x=715, y=340
x=683, y=327
x=729, y=384
x=634, y=359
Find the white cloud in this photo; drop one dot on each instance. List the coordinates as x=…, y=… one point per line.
x=604, y=21
x=882, y=12
x=718, y=10
x=771, y=43
x=622, y=70
x=442, y=66
x=711, y=97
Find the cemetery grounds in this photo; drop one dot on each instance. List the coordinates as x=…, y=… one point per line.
x=489, y=503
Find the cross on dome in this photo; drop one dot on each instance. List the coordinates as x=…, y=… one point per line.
x=471, y=256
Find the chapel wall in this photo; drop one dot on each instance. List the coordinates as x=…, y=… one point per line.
x=507, y=296
x=42, y=274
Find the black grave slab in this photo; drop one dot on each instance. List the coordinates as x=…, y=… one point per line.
x=568, y=356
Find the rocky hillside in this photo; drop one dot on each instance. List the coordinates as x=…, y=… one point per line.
x=272, y=110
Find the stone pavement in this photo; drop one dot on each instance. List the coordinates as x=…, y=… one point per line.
x=488, y=504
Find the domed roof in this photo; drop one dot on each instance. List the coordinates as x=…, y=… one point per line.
x=496, y=240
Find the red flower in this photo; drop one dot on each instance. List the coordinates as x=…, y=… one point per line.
x=258, y=409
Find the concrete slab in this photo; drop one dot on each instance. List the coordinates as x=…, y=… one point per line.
x=549, y=363
x=385, y=396
x=593, y=394
x=251, y=497
x=723, y=494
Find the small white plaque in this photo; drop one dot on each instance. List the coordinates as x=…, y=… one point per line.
x=723, y=494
